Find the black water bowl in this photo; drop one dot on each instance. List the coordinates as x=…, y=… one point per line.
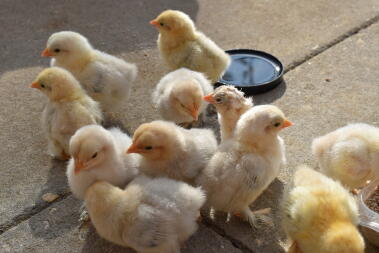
x=252, y=71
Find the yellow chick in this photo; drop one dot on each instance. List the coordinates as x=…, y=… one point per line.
x=172, y=151
x=320, y=216
x=179, y=95
x=349, y=154
x=244, y=166
x=230, y=104
x=106, y=78
x=181, y=45
x=99, y=154
x=150, y=215
x=69, y=108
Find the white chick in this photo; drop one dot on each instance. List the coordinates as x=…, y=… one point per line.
x=244, y=166
x=172, y=151
x=179, y=95
x=150, y=215
x=181, y=45
x=319, y=215
x=69, y=108
x=349, y=154
x=99, y=154
x=230, y=104
x=106, y=79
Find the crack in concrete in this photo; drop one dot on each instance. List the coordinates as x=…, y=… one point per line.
x=29, y=212
x=237, y=244
x=332, y=43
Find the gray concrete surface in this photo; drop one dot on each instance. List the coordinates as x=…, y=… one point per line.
x=292, y=30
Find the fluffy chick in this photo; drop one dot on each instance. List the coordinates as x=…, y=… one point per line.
x=181, y=45
x=230, y=104
x=243, y=167
x=172, y=151
x=349, y=154
x=106, y=79
x=69, y=108
x=179, y=95
x=319, y=215
x=99, y=154
x=150, y=215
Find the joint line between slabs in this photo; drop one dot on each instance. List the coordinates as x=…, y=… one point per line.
x=332, y=43
x=29, y=213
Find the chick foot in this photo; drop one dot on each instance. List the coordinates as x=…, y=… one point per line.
x=258, y=218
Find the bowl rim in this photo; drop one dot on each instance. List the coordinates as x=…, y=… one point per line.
x=268, y=56
x=366, y=209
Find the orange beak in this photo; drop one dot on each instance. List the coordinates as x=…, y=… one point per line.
x=287, y=123
x=46, y=53
x=194, y=114
x=34, y=85
x=209, y=98
x=133, y=149
x=79, y=165
x=154, y=22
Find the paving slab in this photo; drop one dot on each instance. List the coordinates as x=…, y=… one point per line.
x=289, y=29
x=56, y=230
x=337, y=87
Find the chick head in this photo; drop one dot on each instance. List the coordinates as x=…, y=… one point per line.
x=174, y=22
x=67, y=46
x=90, y=146
x=57, y=84
x=342, y=237
x=227, y=97
x=156, y=140
x=186, y=98
x=261, y=120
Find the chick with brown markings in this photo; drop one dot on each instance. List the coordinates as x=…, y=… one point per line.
x=319, y=215
x=230, y=104
x=68, y=109
x=181, y=45
x=172, y=151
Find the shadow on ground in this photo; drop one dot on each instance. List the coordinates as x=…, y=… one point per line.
x=264, y=238
x=98, y=20
x=270, y=96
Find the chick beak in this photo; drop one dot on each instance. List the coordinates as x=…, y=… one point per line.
x=209, y=98
x=287, y=123
x=194, y=114
x=79, y=165
x=154, y=22
x=46, y=53
x=34, y=85
x=133, y=149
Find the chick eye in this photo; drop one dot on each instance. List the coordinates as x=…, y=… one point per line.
x=161, y=24
x=57, y=50
x=277, y=124
x=218, y=100
x=94, y=155
x=42, y=85
x=148, y=147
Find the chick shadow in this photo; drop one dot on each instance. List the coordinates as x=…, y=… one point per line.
x=95, y=244
x=56, y=183
x=266, y=237
x=113, y=26
x=270, y=96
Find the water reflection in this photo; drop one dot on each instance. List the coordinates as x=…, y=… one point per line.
x=247, y=70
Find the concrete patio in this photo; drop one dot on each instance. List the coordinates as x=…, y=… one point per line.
x=330, y=50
